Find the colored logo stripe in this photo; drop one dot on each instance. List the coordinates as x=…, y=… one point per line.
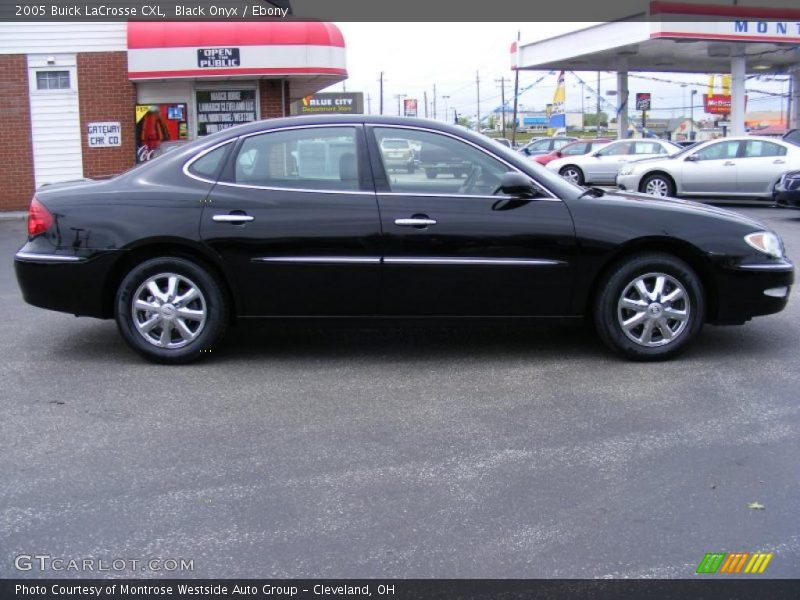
x=722, y=562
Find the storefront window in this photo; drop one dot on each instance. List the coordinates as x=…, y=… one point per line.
x=220, y=109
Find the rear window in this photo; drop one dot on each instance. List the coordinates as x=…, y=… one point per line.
x=395, y=144
x=208, y=165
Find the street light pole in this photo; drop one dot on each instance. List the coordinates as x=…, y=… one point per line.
x=691, y=115
x=446, y=116
x=399, y=100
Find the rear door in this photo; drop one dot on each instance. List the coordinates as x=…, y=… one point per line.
x=760, y=165
x=455, y=247
x=603, y=167
x=295, y=219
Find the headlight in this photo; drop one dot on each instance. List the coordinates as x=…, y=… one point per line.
x=626, y=170
x=766, y=242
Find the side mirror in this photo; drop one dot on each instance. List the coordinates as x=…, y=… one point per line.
x=596, y=154
x=517, y=185
x=691, y=158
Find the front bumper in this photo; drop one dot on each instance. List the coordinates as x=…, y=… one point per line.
x=628, y=183
x=750, y=290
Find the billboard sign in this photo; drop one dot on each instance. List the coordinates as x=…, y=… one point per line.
x=410, y=107
x=341, y=103
x=643, y=101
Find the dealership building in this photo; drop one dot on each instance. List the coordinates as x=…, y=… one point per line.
x=92, y=99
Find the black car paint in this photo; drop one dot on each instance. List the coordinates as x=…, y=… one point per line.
x=787, y=190
x=157, y=209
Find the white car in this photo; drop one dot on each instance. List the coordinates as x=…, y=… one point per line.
x=740, y=166
x=601, y=166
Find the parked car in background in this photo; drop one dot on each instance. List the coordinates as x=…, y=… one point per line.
x=298, y=217
x=601, y=166
x=545, y=145
x=398, y=155
x=577, y=148
x=504, y=142
x=792, y=136
x=787, y=190
x=745, y=166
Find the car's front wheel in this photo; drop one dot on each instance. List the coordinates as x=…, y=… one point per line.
x=658, y=185
x=171, y=310
x=650, y=307
x=573, y=174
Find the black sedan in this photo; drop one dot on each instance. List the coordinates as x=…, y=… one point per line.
x=787, y=190
x=300, y=217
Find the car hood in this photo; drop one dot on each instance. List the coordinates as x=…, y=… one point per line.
x=685, y=206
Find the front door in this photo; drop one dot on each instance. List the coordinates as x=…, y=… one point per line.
x=455, y=247
x=295, y=219
x=711, y=169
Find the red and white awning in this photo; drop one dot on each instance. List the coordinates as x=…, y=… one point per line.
x=222, y=49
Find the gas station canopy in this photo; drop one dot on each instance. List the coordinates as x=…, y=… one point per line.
x=679, y=38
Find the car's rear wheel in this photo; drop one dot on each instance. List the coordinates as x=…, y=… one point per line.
x=170, y=310
x=573, y=174
x=650, y=307
x=430, y=173
x=658, y=185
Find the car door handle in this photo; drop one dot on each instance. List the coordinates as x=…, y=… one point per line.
x=232, y=218
x=728, y=163
x=415, y=222
x=779, y=161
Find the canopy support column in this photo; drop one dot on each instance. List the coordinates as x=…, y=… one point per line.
x=738, y=74
x=622, y=98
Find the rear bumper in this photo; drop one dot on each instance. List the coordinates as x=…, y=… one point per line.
x=747, y=291
x=65, y=283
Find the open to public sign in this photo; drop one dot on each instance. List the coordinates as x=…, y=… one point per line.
x=211, y=58
x=643, y=101
x=104, y=135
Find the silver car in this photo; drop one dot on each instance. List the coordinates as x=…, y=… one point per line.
x=601, y=167
x=742, y=166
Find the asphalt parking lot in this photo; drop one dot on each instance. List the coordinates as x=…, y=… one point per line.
x=301, y=451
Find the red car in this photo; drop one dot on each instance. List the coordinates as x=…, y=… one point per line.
x=573, y=149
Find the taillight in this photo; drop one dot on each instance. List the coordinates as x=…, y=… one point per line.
x=39, y=218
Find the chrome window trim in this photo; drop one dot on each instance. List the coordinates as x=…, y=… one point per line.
x=33, y=256
x=553, y=197
x=474, y=145
x=197, y=157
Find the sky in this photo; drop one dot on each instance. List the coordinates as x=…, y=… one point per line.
x=415, y=56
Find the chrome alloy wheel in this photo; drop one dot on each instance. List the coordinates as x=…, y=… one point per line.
x=657, y=187
x=169, y=310
x=653, y=310
x=571, y=175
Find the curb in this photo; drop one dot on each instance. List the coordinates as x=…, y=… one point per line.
x=13, y=215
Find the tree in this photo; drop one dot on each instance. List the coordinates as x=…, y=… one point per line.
x=465, y=121
x=590, y=120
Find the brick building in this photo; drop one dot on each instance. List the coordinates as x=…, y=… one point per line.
x=92, y=99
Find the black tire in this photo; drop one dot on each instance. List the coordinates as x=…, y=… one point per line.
x=430, y=173
x=567, y=170
x=608, y=309
x=663, y=182
x=211, y=302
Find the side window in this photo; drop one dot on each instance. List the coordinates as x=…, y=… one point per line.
x=649, y=148
x=208, y=165
x=575, y=149
x=442, y=165
x=718, y=151
x=618, y=149
x=558, y=144
x=760, y=149
x=319, y=158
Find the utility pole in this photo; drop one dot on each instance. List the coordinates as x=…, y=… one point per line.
x=381, y=82
x=434, y=101
x=445, y=98
x=502, y=81
x=425, y=96
x=583, y=123
x=598, y=104
x=478, y=89
x=516, y=93
x=399, y=100
x=369, y=105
